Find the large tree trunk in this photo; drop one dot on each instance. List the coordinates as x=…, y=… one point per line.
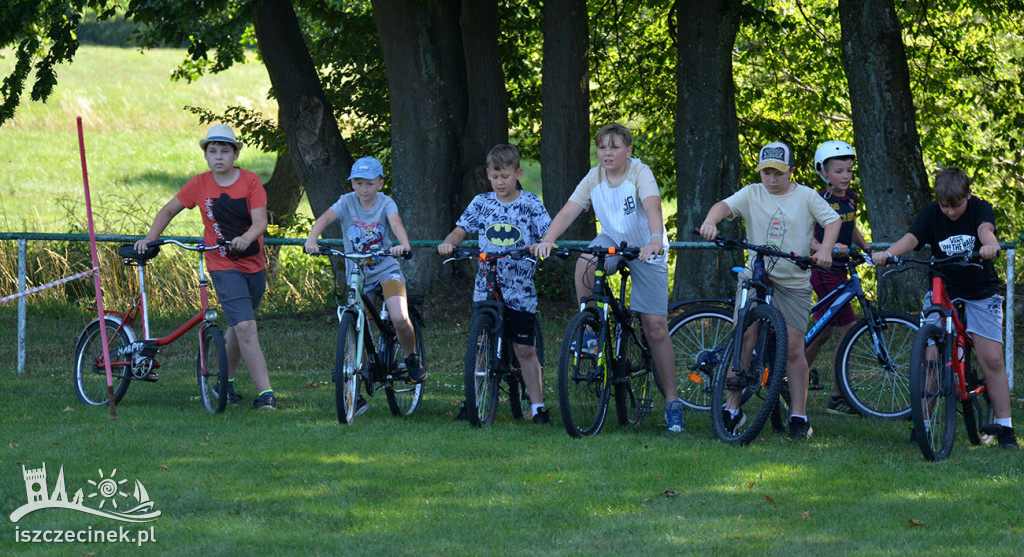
x=284, y=190
x=895, y=183
x=320, y=156
x=707, y=145
x=565, y=131
x=426, y=80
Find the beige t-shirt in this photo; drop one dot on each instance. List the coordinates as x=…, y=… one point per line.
x=782, y=221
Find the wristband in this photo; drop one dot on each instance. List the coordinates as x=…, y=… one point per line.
x=889, y=254
x=653, y=236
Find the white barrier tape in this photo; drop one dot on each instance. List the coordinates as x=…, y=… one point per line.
x=40, y=288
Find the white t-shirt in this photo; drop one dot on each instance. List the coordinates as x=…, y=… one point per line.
x=783, y=221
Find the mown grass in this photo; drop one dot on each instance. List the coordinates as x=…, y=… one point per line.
x=296, y=481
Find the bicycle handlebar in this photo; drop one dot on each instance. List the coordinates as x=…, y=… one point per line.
x=517, y=254
x=608, y=251
x=199, y=246
x=802, y=261
x=354, y=256
x=964, y=259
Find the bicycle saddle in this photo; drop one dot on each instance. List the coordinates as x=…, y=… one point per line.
x=127, y=251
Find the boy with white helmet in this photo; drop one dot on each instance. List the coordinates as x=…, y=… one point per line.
x=834, y=161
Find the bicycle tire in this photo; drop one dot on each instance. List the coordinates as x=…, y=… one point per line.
x=480, y=382
x=583, y=380
x=878, y=385
x=404, y=399
x=347, y=369
x=698, y=335
x=633, y=384
x=760, y=382
x=90, y=375
x=518, y=397
x=932, y=394
x=212, y=370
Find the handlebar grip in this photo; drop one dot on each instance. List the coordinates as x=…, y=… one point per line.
x=407, y=255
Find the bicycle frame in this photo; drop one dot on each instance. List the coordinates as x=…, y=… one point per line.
x=955, y=328
x=605, y=300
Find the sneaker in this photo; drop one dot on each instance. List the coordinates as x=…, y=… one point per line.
x=732, y=425
x=674, y=416
x=361, y=406
x=589, y=341
x=541, y=417
x=151, y=377
x=232, y=396
x=839, y=405
x=1007, y=438
x=799, y=428
x=416, y=372
x=814, y=382
x=265, y=402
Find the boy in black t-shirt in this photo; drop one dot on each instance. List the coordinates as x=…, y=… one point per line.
x=958, y=222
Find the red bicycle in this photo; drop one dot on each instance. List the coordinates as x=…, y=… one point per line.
x=941, y=370
x=133, y=357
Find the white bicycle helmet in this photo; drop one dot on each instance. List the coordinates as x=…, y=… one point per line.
x=829, y=150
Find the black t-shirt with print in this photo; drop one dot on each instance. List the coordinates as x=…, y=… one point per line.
x=947, y=237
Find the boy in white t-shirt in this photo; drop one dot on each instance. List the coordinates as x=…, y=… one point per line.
x=781, y=213
x=625, y=198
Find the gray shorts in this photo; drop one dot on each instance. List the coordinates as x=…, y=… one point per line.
x=793, y=303
x=984, y=316
x=239, y=294
x=650, y=280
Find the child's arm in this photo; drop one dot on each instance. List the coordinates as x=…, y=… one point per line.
x=903, y=245
x=559, y=225
x=321, y=223
x=989, y=243
x=858, y=239
x=454, y=238
x=719, y=211
x=256, y=230
x=828, y=242
x=398, y=229
x=655, y=225
x=160, y=221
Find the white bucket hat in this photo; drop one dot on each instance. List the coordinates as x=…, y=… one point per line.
x=220, y=132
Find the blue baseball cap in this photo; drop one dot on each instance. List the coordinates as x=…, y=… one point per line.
x=368, y=168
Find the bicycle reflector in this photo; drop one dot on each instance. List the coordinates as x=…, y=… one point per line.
x=210, y=315
x=482, y=256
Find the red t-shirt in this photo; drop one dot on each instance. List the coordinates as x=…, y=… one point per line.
x=226, y=214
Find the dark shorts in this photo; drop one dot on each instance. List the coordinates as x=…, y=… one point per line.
x=239, y=294
x=520, y=326
x=824, y=282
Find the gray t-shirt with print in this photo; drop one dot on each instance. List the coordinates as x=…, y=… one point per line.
x=367, y=230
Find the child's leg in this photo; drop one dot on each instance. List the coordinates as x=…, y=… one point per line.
x=243, y=342
x=530, y=365
x=656, y=331
x=393, y=289
x=990, y=358
x=584, y=276
x=814, y=347
x=797, y=371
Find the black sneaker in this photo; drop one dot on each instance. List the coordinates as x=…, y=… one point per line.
x=839, y=405
x=361, y=406
x=732, y=425
x=265, y=402
x=416, y=372
x=1007, y=438
x=799, y=428
x=540, y=417
x=233, y=397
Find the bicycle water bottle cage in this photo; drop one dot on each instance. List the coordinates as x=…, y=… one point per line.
x=130, y=256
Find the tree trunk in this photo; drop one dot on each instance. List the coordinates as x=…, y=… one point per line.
x=319, y=154
x=426, y=80
x=891, y=169
x=565, y=128
x=707, y=145
x=284, y=190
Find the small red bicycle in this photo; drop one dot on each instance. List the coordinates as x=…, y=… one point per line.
x=133, y=357
x=941, y=370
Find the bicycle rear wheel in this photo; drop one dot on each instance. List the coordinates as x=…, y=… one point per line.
x=347, y=365
x=481, y=383
x=698, y=337
x=212, y=370
x=979, y=416
x=633, y=384
x=403, y=398
x=756, y=388
x=874, y=366
x=932, y=393
x=90, y=374
x=582, y=378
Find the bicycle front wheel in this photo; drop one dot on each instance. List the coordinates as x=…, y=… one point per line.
x=754, y=391
x=583, y=377
x=347, y=365
x=481, y=382
x=932, y=393
x=90, y=372
x=874, y=365
x=633, y=384
x=403, y=398
x=212, y=370
x=698, y=337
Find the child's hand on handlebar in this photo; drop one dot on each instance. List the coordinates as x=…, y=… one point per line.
x=445, y=249
x=311, y=247
x=542, y=249
x=823, y=258
x=988, y=252
x=400, y=249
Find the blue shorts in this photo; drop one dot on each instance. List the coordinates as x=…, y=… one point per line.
x=239, y=294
